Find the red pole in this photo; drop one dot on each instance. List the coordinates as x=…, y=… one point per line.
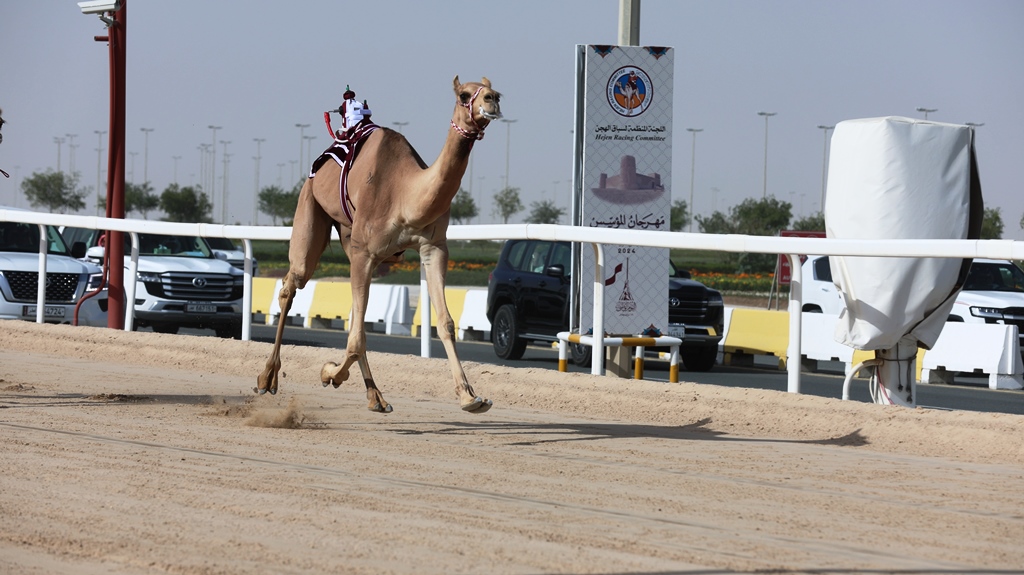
x=115, y=167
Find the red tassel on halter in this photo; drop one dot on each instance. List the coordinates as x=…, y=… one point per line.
x=327, y=120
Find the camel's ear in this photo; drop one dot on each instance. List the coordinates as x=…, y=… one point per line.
x=486, y=82
x=456, y=83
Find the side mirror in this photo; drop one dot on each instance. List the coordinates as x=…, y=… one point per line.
x=555, y=270
x=78, y=250
x=95, y=253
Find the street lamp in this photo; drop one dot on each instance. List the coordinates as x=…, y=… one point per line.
x=693, y=163
x=824, y=166
x=131, y=178
x=309, y=154
x=508, y=141
x=99, y=167
x=302, y=137
x=213, y=161
x=145, y=156
x=926, y=110
x=176, y=158
x=58, y=141
x=256, y=196
x=400, y=124
x=71, y=152
x=224, y=192
x=764, y=192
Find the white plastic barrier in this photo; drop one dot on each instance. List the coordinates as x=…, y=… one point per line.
x=819, y=342
x=990, y=348
x=300, y=305
x=388, y=309
x=473, y=322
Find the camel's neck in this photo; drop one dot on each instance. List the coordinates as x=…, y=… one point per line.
x=447, y=171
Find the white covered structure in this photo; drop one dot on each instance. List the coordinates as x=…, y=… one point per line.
x=899, y=178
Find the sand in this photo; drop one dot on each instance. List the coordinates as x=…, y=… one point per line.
x=150, y=453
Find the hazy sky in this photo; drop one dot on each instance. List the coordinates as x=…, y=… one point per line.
x=258, y=68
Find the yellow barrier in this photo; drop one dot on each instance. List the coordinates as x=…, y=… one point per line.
x=456, y=300
x=862, y=355
x=331, y=301
x=263, y=294
x=756, y=332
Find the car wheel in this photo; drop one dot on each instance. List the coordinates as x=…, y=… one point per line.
x=699, y=359
x=581, y=354
x=505, y=334
x=233, y=331
x=165, y=328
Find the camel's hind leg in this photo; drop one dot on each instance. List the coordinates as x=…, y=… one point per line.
x=311, y=232
x=355, y=351
x=435, y=258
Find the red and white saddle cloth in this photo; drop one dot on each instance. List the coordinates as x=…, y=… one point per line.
x=343, y=151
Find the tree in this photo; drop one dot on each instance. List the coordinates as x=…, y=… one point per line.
x=992, y=224
x=279, y=204
x=186, y=204
x=544, y=212
x=507, y=203
x=140, y=198
x=764, y=217
x=56, y=191
x=463, y=208
x=811, y=223
x=679, y=216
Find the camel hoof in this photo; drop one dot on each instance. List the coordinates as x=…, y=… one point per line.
x=478, y=405
x=378, y=409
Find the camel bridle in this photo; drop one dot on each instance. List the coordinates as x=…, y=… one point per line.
x=479, y=134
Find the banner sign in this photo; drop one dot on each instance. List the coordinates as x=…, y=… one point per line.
x=624, y=124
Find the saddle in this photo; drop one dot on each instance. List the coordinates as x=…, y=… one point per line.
x=343, y=151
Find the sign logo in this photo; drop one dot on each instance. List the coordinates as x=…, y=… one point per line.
x=199, y=282
x=629, y=91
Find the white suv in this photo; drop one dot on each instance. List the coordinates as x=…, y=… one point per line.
x=181, y=283
x=992, y=293
x=67, y=279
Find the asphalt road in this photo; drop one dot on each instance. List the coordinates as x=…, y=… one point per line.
x=969, y=393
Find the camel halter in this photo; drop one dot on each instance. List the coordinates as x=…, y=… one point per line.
x=479, y=134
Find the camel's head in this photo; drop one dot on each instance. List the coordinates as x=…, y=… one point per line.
x=477, y=105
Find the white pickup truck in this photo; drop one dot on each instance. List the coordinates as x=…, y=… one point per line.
x=181, y=282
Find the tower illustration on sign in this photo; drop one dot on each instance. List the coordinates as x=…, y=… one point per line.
x=626, y=302
x=629, y=187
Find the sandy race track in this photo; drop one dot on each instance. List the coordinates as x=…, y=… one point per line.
x=149, y=453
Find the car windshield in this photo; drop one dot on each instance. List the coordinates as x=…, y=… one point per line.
x=997, y=276
x=180, y=246
x=221, y=244
x=24, y=238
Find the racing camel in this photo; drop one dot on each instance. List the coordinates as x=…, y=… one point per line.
x=396, y=202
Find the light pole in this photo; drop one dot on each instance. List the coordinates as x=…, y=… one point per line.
x=302, y=138
x=824, y=167
x=309, y=154
x=58, y=141
x=926, y=111
x=213, y=161
x=224, y=191
x=280, y=174
x=145, y=156
x=400, y=124
x=175, y=158
x=764, y=191
x=71, y=152
x=693, y=164
x=203, y=153
x=131, y=178
x=508, y=143
x=99, y=166
x=256, y=196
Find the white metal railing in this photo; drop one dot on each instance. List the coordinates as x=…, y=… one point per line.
x=791, y=246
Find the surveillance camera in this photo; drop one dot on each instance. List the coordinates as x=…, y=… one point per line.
x=99, y=6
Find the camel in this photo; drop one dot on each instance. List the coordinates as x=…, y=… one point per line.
x=397, y=202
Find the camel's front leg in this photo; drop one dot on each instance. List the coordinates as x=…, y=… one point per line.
x=435, y=260
x=355, y=351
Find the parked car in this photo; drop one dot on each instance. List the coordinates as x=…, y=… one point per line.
x=992, y=293
x=67, y=279
x=180, y=282
x=229, y=252
x=528, y=301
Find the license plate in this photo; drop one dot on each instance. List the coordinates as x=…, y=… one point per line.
x=48, y=311
x=200, y=307
x=676, y=331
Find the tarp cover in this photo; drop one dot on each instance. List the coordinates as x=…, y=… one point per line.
x=899, y=178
